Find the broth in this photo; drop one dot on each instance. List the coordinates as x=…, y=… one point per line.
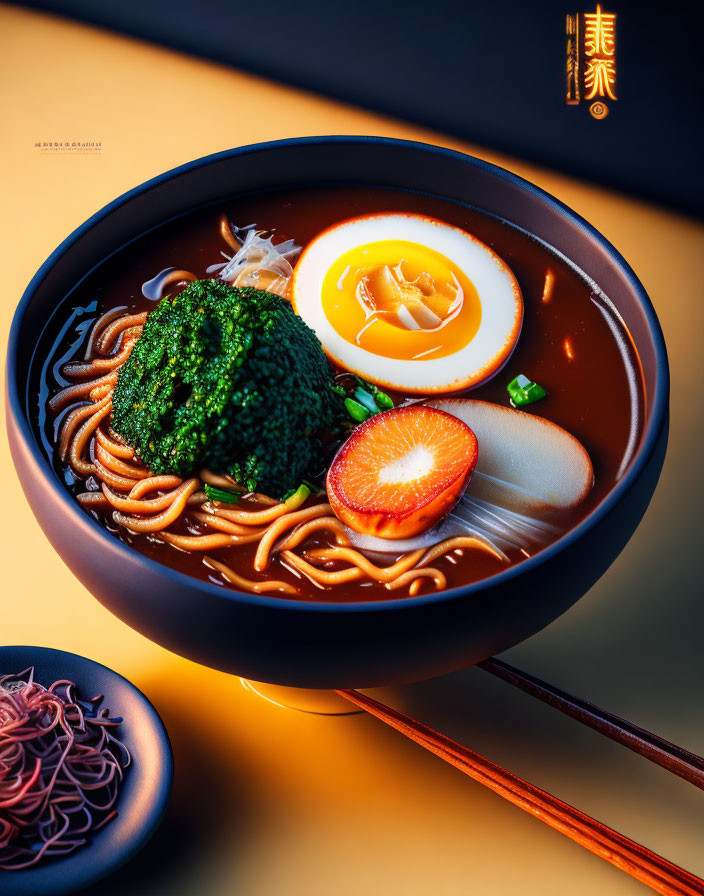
x=572, y=343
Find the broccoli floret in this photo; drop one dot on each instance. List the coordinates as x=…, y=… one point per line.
x=230, y=379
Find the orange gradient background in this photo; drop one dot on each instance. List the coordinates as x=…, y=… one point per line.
x=269, y=801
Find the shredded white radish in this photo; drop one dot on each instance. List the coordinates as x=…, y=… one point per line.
x=498, y=527
x=259, y=262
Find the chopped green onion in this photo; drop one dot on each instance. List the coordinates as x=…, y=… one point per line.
x=314, y=489
x=381, y=398
x=384, y=401
x=366, y=400
x=356, y=410
x=298, y=497
x=362, y=399
x=523, y=391
x=223, y=495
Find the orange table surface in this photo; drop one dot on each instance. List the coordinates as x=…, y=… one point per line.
x=271, y=801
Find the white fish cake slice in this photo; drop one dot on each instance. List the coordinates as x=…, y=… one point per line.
x=526, y=463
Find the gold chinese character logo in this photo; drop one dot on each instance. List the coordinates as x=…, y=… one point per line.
x=591, y=63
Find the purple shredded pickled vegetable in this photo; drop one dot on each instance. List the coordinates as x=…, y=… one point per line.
x=61, y=768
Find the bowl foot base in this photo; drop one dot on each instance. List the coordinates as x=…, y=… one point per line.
x=320, y=702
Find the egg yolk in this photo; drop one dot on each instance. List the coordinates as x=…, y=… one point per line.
x=400, y=299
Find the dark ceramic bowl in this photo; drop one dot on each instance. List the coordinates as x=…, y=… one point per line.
x=325, y=644
x=144, y=793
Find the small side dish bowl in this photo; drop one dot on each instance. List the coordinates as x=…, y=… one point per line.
x=324, y=644
x=143, y=795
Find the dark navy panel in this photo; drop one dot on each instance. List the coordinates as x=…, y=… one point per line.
x=490, y=72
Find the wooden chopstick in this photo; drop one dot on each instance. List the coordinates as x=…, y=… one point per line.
x=662, y=876
x=668, y=755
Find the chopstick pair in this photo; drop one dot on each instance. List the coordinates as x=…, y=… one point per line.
x=658, y=750
x=641, y=863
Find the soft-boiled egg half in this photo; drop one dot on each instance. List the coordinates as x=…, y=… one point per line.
x=409, y=302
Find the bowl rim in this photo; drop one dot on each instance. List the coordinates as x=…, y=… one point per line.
x=649, y=440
